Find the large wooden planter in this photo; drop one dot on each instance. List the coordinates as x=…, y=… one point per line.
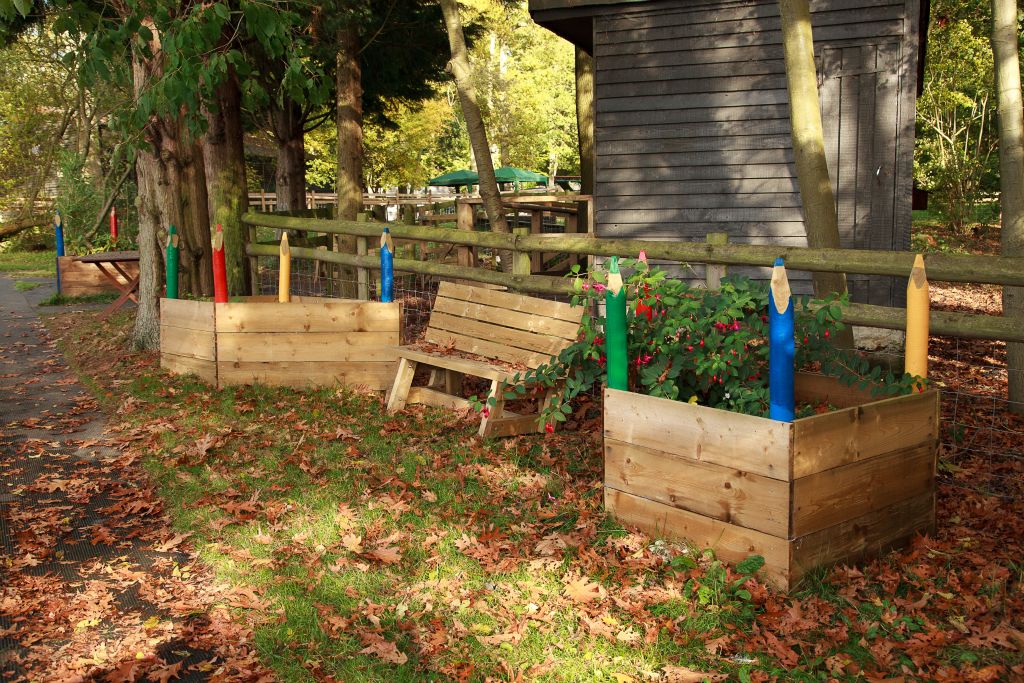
x=835, y=487
x=308, y=342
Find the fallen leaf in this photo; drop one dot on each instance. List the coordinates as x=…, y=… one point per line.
x=680, y=674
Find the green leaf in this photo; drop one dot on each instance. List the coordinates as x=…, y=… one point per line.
x=750, y=565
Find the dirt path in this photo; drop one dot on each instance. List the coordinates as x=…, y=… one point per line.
x=94, y=584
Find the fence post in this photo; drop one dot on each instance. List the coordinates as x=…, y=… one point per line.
x=254, y=265
x=714, y=272
x=521, y=264
x=465, y=214
x=362, y=274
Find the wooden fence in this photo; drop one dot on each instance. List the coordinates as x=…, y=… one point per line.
x=996, y=270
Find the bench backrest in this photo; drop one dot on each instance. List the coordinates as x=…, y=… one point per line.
x=501, y=326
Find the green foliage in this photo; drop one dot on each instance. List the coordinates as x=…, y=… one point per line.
x=956, y=157
x=720, y=590
x=696, y=345
x=77, y=201
x=60, y=300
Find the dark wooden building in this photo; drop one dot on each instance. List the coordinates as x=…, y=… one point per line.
x=692, y=119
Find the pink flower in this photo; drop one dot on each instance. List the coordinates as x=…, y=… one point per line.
x=549, y=428
x=643, y=256
x=598, y=287
x=585, y=286
x=486, y=412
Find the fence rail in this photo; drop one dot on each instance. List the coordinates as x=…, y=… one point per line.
x=994, y=270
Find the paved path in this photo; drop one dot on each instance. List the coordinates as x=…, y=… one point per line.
x=92, y=584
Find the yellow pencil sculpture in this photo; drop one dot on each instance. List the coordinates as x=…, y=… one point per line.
x=916, y=352
x=284, y=283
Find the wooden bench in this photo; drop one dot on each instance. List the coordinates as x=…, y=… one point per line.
x=492, y=326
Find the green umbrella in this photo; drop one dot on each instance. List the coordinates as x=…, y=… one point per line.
x=458, y=178
x=511, y=174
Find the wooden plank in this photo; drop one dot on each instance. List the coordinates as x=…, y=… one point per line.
x=333, y=316
x=677, y=160
x=508, y=317
x=701, y=202
x=512, y=425
x=753, y=444
x=463, y=365
x=697, y=129
x=515, y=302
x=812, y=388
x=306, y=346
x=190, y=315
x=438, y=399
x=736, y=173
x=730, y=542
x=845, y=436
x=206, y=370
x=724, y=493
x=666, y=117
x=827, y=498
x=744, y=98
x=180, y=341
x=723, y=215
x=485, y=348
x=299, y=374
x=708, y=143
x=520, y=339
x=865, y=536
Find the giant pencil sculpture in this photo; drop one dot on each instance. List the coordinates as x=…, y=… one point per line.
x=916, y=352
x=284, y=279
x=781, y=346
x=387, y=267
x=173, y=257
x=615, y=329
x=220, y=273
x=113, y=224
x=58, y=228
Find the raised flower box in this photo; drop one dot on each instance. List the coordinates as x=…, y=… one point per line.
x=309, y=342
x=835, y=487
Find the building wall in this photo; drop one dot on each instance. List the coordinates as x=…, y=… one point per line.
x=693, y=131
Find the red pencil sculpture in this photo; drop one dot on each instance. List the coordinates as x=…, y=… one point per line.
x=220, y=273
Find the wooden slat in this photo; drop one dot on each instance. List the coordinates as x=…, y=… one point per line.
x=514, y=302
x=334, y=316
x=183, y=342
x=844, y=436
x=438, y=399
x=812, y=388
x=306, y=346
x=521, y=339
x=745, y=442
x=508, y=318
x=512, y=425
x=191, y=315
x=724, y=493
x=299, y=374
x=827, y=498
x=206, y=370
x=463, y=365
x=864, y=536
x=730, y=542
x=484, y=348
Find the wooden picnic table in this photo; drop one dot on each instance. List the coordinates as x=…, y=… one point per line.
x=116, y=260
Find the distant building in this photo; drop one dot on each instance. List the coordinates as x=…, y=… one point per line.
x=692, y=120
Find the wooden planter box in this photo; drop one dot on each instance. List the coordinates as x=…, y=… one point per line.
x=81, y=279
x=308, y=342
x=835, y=487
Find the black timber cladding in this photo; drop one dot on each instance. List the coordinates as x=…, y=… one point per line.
x=692, y=121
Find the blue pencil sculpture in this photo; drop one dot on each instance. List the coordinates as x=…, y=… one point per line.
x=387, y=267
x=58, y=227
x=781, y=346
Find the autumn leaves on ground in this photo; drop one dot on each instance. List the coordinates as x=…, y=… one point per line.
x=320, y=539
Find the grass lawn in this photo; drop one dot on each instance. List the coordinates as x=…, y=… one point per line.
x=405, y=548
x=29, y=263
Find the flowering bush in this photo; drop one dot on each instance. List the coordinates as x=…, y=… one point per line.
x=696, y=345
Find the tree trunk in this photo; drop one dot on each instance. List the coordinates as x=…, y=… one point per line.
x=585, y=136
x=1011, y=170
x=227, y=192
x=350, y=148
x=461, y=68
x=146, y=334
x=290, y=176
x=809, y=139
x=196, y=249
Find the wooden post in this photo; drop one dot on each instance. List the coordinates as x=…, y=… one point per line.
x=713, y=272
x=781, y=346
x=465, y=214
x=915, y=353
x=254, y=264
x=284, y=274
x=536, y=228
x=521, y=264
x=362, y=274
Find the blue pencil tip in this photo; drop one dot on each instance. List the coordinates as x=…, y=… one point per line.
x=780, y=261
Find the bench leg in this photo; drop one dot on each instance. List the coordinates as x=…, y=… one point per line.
x=496, y=411
x=403, y=382
x=516, y=425
x=453, y=382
